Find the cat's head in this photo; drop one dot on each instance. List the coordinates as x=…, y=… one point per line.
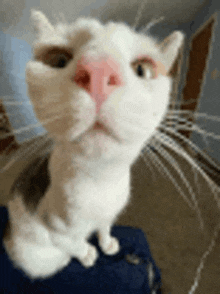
x=102, y=85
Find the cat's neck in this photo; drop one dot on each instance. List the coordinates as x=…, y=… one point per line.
x=73, y=153
x=78, y=153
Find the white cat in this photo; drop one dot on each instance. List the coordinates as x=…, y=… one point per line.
x=100, y=90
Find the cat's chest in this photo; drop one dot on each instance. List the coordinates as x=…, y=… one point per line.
x=97, y=197
x=94, y=188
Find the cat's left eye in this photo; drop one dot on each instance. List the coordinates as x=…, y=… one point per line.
x=60, y=61
x=56, y=57
x=144, y=69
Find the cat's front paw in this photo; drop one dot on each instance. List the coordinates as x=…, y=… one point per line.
x=90, y=258
x=112, y=248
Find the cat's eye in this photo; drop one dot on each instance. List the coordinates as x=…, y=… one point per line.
x=140, y=70
x=56, y=57
x=144, y=69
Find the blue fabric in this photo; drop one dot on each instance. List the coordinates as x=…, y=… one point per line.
x=14, y=54
x=111, y=274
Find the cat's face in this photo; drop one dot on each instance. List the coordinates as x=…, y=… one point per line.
x=103, y=85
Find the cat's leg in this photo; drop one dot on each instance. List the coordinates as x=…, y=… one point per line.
x=70, y=236
x=109, y=245
x=35, y=260
x=28, y=243
x=73, y=239
x=77, y=247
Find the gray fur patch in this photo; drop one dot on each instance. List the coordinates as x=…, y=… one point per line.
x=33, y=182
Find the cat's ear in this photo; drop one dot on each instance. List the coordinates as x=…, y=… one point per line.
x=41, y=23
x=170, y=48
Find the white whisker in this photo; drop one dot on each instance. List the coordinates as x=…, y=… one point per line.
x=167, y=172
x=148, y=162
x=16, y=103
x=170, y=159
x=199, y=130
x=149, y=152
x=152, y=23
x=62, y=17
x=138, y=15
x=173, y=145
x=7, y=97
x=28, y=140
x=206, y=116
x=191, y=113
x=195, y=128
x=30, y=127
x=2, y=116
x=57, y=17
x=178, y=121
x=187, y=102
x=21, y=130
x=179, y=112
x=196, y=180
x=203, y=259
x=42, y=140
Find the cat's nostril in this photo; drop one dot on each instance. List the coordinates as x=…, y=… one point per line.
x=82, y=79
x=113, y=81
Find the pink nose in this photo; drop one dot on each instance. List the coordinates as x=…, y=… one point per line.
x=98, y=77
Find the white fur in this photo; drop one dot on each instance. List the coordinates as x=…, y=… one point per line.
x=89, y=169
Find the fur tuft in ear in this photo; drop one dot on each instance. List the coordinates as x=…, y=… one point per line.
x=41, y=23
x=170, y=48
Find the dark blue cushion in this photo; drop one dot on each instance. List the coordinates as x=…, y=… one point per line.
x=128, y=272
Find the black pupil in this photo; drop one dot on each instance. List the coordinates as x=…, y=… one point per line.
x=140, y=71
x=62, y=62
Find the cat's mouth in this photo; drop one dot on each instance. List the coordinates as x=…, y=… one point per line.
x=101, y=128
x=98, y=126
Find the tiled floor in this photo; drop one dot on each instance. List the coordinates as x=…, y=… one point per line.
x=172, y=228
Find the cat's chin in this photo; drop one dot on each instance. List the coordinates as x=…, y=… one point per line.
x=98, y=142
